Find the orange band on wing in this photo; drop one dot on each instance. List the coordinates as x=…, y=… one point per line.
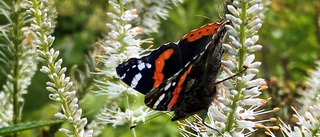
x=206, y=30
x=159, y=64
x=178, y=88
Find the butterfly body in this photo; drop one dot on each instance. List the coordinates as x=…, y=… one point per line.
x=181, y=76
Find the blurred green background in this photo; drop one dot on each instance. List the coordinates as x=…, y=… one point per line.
x=290, y=37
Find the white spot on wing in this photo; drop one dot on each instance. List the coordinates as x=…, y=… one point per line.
x=158, y=101
x=167, y=86
x=148, y=65
x=173, y=83
x=195, y=57
x=123, y=76
x=135, y=80
x=208, y=44
x=133, y=66
x=141, y=66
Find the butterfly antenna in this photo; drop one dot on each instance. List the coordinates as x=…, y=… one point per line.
x=164, y=124
x=131, y=127
x=245, y=68
x=206, y=17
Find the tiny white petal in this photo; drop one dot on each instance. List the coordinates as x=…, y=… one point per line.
x=111, y=26
x=68, y=86
x=63, y=70
x=113, y=35
x=223, y=100
x=50, y=84
x=239, y=79
x=233, y=92
x=255, y=38
x=254, y=48
x=70, y=119
x=227, y=47
x=60, y=115
x=233, y=19
x=297, y=131
x=248, y=42
x=127, y=26
x=248, y=77
x=256, y=1
x=78, y=113
x=230, y=50
x=111, y=15
x=45, y=69
x=231, y=38
x=236, y=3
x=256, y=82
x=255, y=64
x=116, y=9
x=249, y=60
x=229, y=64
x=228, y=84
x=254, y=101
x=226, y=109
x=241, y=103
x=255, y=28
x=63, y=130
x=254, y=10
x=236, y=44
x=233, y=10
x=252, y=71
x=56, y=54
x=51, y=89
x=232, y=31
x=252, y=92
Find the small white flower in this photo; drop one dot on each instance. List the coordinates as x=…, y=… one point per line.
x=256, y=82
x=253, y=101
x=233, y=10
x=129, y=15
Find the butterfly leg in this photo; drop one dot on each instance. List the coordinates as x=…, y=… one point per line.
x=245, y=68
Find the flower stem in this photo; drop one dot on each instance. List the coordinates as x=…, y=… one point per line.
x=132, y=130
x=242, y=35
x=51, y=66
x=16, y=53
x=239, y=85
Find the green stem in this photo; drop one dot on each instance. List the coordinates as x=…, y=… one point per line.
x=242, y=36
x=63, y=99
x=16, y=44
x=126, y=103
x=122, y=49
x=56, y=81
x=231, y=120
x=122, y=35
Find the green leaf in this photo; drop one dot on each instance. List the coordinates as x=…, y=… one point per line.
x=25, y=126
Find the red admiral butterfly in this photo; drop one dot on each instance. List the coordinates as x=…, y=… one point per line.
x=180, y=76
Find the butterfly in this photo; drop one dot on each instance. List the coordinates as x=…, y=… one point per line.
x=179, y=76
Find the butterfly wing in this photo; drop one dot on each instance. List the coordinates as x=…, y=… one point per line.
x=147, y=72
x=196, y=41
x=185, y=91
x=166, y=95
x=188, y=84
